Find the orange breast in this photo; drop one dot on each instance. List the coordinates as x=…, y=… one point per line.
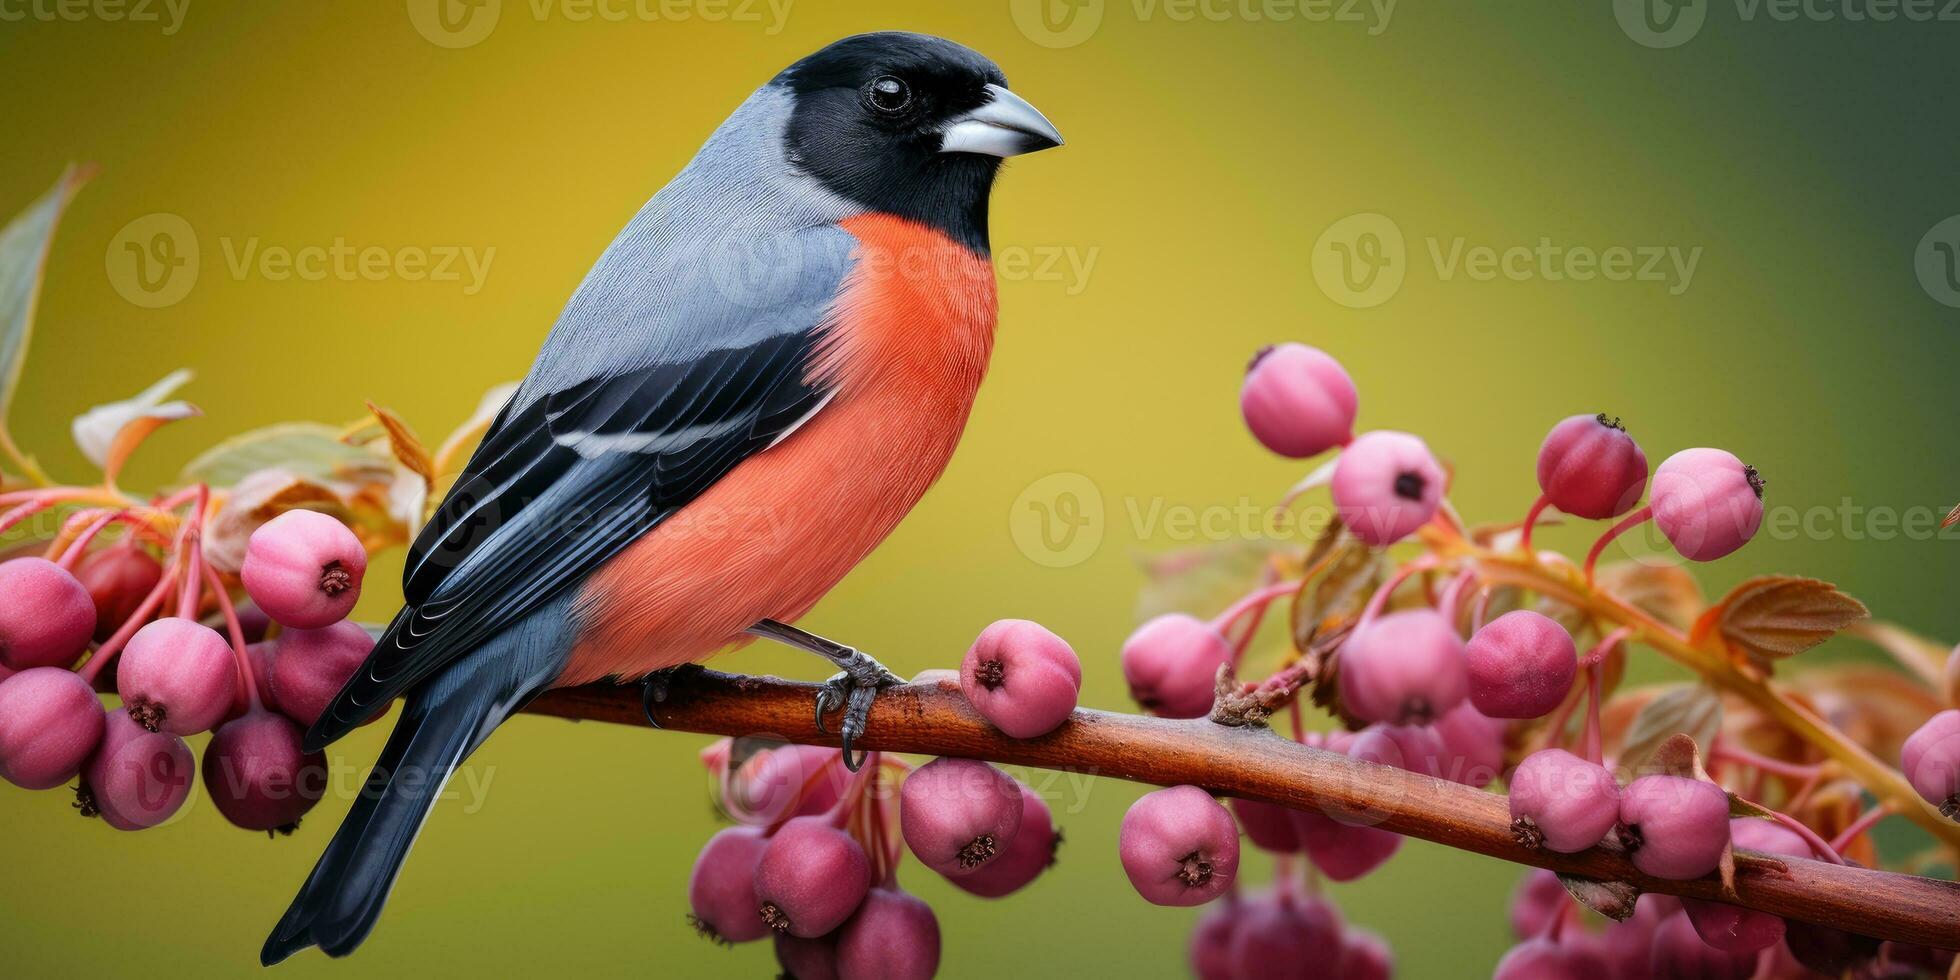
x=906, y=349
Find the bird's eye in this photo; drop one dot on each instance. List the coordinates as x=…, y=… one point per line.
x=889, y=94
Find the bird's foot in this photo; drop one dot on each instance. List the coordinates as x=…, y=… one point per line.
x=853, y=689
x=654, y=689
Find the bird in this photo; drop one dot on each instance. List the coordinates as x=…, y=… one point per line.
x=761, y=375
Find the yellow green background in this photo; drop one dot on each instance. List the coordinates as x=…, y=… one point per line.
x=1205, y=157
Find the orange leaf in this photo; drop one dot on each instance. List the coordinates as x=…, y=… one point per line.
x=1766, y=619
x=408, y=449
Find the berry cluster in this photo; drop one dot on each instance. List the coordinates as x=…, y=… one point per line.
x=812, y=862
x=205, y=666
x=1476, y=681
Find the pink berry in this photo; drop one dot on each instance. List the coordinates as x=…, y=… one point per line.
x=1563, y=803
x=1412, y=747
x=1676, y=827
x=118, y=579
x=1031, y=852
x=261, y=655
x=1678, y=952
x=304, y=569
x=1707, y=503
x=136, y=778
x=1344, y=851
x=1589, y=467
x=1171, y=664
x=1179, y=846
x=50, y=720
x=1287, y=936
x=1298, y=401
x=1521, y=665
x=785, y=781
x=1269, y=827
x=1405, y=668
x=177, y=676
x=893, y=935
x=312, y=665
x=1210, y=950
x=47, y=618
x=807, y=959
x=1931, y=761
x=1386, y=485
x=1544, y=959
x=810, y=878
x=721, y=889
x=1538, y=896
x=258, y=776
x=1365, y=956
x=958, y=815
x=1742, y=930
x=1021, y=677
x=1473, y=745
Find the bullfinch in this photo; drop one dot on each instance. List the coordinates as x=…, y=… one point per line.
x=761, y=376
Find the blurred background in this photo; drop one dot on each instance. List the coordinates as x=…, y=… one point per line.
x=1722, y=225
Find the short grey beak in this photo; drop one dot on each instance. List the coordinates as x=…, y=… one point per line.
x=1006, y=126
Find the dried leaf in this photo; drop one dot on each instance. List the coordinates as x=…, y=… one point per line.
x=23, y=259
x=107, y=434
x=408, y=450
x=1952, y=517
x=304, y=449
x=449, y=457
x=1766, y=619
x=1677, y=755
x=1739, y=807
x=1690, y=711
x=1667, y=592
x=1613, y=899
x=1333, y=594
x=253, y=501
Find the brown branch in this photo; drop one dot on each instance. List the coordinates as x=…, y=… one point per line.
x=1260, y=765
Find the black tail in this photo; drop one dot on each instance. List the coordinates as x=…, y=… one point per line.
x=445, y=719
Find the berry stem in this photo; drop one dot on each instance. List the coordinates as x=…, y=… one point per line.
x=151, y=602
x=1866, y=821
x=1789, y=770
x=1451, y=604
x=1379, y=601
x=1254, y=601
x=1530, y=521
x=236, y=632
x=1818, y=845
x=22, y=512
x=1627, y=523
x=1592, y=713
x=70, y=545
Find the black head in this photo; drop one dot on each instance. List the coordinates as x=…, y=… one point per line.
x=910, y=125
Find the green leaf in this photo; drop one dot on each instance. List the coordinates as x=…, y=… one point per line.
x=304, y=449
x=1691, y=710
x=23, y=258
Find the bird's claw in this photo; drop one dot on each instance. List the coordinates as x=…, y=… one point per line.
x=653, y=690
x=853, y=689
